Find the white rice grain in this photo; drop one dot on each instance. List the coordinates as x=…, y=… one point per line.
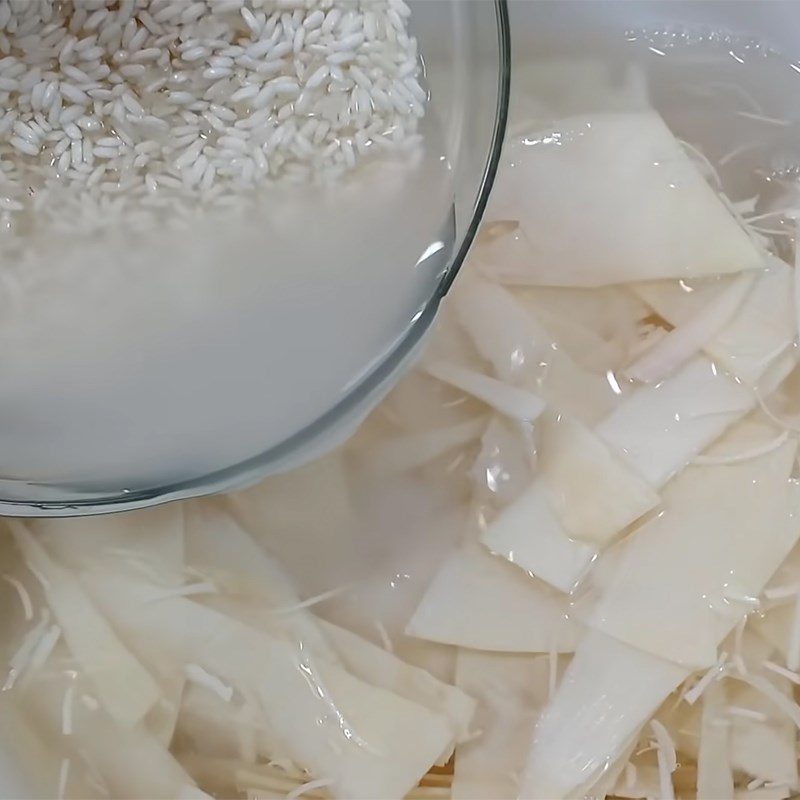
x=24, y=146
x=187, y=102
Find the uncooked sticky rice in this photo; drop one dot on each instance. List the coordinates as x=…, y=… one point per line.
x=124, y=109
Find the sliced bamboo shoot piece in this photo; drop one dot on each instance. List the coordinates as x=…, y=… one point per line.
x=763, y=793
x=503, y=468
x=689, y=338
x=753, y=436
x=411, y=451
x=368, y=742
x=596, y=328
x=714, y=774
x=763, y=327
x=216, y=541
x=129, y=760
x=592, y=490
x=643, y=212
x=518, y=404
x=763, y=749
x=505, y=686
x=161, y=720
x=377, y=666
x=522, y=352
x=477, y=600
x=780, y=625
x=659, y=429
x=29, y=766
x=607, y=694
x=210, y=726
x=689, y=574
x=529, y=534
x=124, y=686
x=278, y=506
x=148, y=541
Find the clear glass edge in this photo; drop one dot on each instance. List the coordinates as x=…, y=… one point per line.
x=248, y=472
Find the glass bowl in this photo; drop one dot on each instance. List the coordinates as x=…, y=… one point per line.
x=466, y=52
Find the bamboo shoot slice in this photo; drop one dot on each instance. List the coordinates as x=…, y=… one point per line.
x=503, y=468
x=685, y=579
x=215, y=540
x=501, y=328
x=779, y=624
x=123, y=685
x=528, y=534
x=379, y=667
x=161, y=720
x=689, y=338
x=764, y=750
x=279, y=507
x=210, y=727
x=129, y=760
x=143, y=542
x=611, y=313
x=477, y=600
x=505, y=686
x=517, y=404
x=407, y=452
x=607, y=694
x=763, y=793
x=752, y=436
x=714, y=774
x=522, y=352
x=763, y=327
x=606, y=785
x=370, y=743
x=644, y=211
x=596, y=328
x=592, y=490
x=29, y=767
x=150, y=540
x=659, y=429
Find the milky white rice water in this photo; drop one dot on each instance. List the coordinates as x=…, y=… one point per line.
x=144, y=342
x=169, y=356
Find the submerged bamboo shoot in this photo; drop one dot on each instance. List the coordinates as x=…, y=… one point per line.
x=659, y=429
x=477, y=600
x=592, y=490
x=125, y=687
x=368, y=742
x=688, y=575
x=607, y=694
x=643, y=211
x=528, y=534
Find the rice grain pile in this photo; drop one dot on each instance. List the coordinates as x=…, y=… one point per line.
x=130, y=107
